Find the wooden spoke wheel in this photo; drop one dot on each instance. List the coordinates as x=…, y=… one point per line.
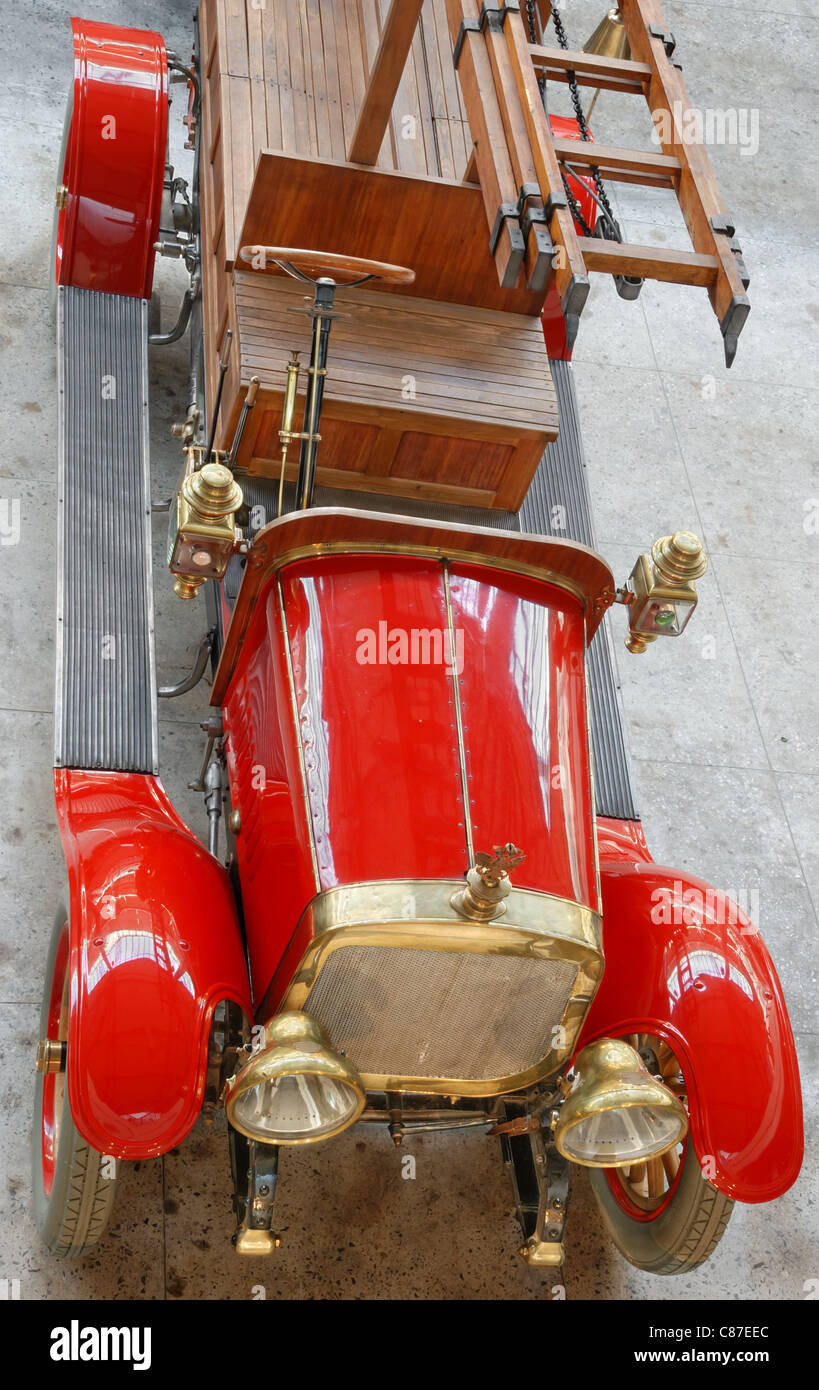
x=73, y=1185
x=662, y=1213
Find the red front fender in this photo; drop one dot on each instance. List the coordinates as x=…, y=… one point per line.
x=114, y=160
x=154, y=947
x=683, y=962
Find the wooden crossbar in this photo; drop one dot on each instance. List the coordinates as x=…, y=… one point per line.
x=621, y=165
x=390, y=61
x=655, y=262
x=590, y=70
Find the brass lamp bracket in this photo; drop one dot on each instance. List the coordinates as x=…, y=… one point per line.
x=488, y=884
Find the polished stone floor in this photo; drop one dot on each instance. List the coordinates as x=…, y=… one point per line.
x=723, y=725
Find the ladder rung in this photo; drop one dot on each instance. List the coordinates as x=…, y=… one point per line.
x=621, y=165
x=610, y=74
x=653, y=262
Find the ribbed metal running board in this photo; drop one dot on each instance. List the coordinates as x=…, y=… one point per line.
x=558, y=504
x=105, y=703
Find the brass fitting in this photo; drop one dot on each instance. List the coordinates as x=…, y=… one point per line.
x=50, y=1056
x=203, y=541
x=680, y=558
x=488, y=884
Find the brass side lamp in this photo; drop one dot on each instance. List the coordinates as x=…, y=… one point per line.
x=203, y=530
x=660, y=592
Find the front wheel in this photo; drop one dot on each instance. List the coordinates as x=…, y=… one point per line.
x=662, y=1214
x=73, y=1185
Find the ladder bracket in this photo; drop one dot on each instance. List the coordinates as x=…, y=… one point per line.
x=507, y=212
x=492, y=17
x=668, y=41
x=723, y=224
x=554, y=200
x=468, y=26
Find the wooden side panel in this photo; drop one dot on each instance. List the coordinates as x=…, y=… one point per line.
x=421, y=398
x=437, y=228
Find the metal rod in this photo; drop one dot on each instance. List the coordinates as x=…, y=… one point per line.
x=247, y=406
x=162, y=339
x=223, y=366
x=168, y=692
x=286, y=431
x=322, y=323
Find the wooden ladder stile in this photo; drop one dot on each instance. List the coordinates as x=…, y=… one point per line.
x=499, y=46
x=708, y=226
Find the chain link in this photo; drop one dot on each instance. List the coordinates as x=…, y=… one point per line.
x=574, y=207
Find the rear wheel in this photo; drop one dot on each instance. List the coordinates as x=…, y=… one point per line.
x=73, y=1184
x=662, y=1214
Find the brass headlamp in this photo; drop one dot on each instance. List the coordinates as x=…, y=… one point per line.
x=295, y=1089
x=616, y=1113
x=203, y=531
x=660, y=592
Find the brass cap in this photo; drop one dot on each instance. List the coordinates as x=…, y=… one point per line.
x=636, y=642
x=187, y=587
x=212, y=492
x=679, y=558
x=50, y=1055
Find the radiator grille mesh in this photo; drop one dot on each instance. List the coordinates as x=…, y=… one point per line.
x=402, y=1012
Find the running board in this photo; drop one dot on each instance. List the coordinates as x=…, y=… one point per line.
x=105, y=703
x=557, y=504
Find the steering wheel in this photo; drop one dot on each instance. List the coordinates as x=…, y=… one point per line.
x=325, y=264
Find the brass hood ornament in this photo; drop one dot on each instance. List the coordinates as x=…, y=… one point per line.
x=488, y=883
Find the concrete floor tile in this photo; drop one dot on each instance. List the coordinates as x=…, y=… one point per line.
x=32, y=872
x=798, y=792
x=784, y=294
x=28, y=586
x=28, y=205
x=28, y=364
x=613, y=331
x=686, y=701
x=636, y=476
x=757, y=489
x=766, y=609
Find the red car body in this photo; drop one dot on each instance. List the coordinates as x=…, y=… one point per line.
x=363, y=756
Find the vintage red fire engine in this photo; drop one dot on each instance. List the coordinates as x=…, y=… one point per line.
x=423, y=897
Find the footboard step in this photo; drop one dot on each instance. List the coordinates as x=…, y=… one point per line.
x=105, y=702
x=558, y=504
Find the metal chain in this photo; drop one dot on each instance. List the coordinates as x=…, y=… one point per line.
x=602, y=196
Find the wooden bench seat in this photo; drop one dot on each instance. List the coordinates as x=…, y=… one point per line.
x=448, y=402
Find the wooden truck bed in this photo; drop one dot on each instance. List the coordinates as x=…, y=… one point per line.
x=450, y=400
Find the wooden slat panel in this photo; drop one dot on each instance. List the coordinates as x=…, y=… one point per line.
x=430, y=375
x=384, y=344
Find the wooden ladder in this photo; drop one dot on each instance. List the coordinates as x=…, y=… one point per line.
x=518, y=161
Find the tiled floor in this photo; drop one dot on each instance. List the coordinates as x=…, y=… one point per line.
x=723, y=725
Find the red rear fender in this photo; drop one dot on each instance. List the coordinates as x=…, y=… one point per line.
x=154, y=947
